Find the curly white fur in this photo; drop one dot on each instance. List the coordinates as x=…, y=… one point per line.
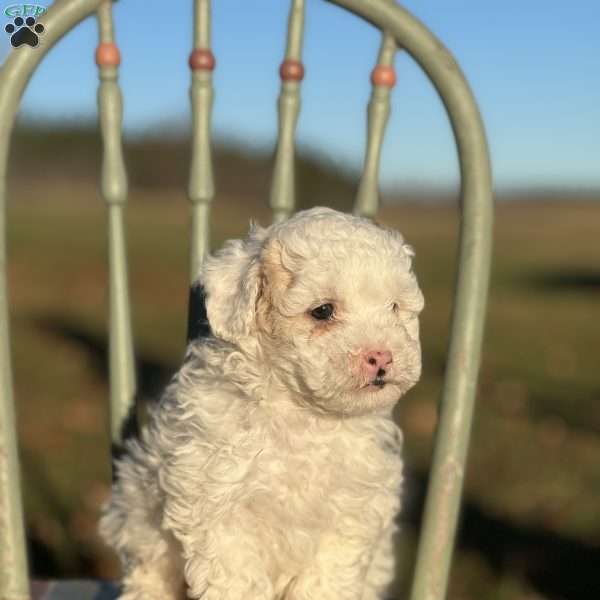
x=271, y=469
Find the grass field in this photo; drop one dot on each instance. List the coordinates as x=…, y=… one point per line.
x=531, y=524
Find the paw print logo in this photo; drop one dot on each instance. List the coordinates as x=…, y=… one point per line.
x=24, y=32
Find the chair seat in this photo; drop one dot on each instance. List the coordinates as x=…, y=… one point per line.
x=74, y=589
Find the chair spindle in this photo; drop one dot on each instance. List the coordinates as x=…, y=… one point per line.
x=113, y=186
x=383, y=78
x=201, y=189
x=282, y=200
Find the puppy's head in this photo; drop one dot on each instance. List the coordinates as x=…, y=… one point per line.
x=330, y=303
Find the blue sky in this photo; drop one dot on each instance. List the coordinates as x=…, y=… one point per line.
x=534, y=68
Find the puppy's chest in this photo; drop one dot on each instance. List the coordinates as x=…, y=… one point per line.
x=307, y=479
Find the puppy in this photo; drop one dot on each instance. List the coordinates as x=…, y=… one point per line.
x=271, y=469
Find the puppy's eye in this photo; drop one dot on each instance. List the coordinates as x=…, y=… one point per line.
x=323, y=312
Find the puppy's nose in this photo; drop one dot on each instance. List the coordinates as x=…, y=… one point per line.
x=376, y=362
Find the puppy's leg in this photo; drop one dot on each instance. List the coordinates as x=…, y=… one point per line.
x=337, y=571
x=380, y=576
x=150, y=556
x=156, y=580
x=152, y=567
x=227, y=563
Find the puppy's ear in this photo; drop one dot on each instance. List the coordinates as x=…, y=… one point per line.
x=232, y=280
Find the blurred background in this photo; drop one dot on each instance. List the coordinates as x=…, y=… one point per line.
x=530, y=524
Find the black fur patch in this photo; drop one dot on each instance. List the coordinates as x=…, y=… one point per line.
x=198, y=325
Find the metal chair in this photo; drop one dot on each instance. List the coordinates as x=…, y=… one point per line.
x=399, y=30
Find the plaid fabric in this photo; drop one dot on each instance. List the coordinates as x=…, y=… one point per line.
x=74, y=590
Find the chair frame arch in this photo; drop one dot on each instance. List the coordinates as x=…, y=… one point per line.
x=468, y=315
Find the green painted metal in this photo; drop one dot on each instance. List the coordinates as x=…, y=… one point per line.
x=15, y=73
x=458, y=395
x=282, y=199
x=367, y=198
x=113, y=187
x=201, y=188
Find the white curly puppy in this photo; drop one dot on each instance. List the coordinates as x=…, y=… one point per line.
x=271, y=469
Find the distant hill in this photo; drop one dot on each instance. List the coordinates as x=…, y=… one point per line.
x=161, y=161
x=74, y=152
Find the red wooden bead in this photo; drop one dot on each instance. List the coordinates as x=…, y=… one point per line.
x=383, y=75
x=291, y=70
x=202, y=59
x=108, y=55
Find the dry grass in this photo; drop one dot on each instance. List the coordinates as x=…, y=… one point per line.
x=533, y=460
